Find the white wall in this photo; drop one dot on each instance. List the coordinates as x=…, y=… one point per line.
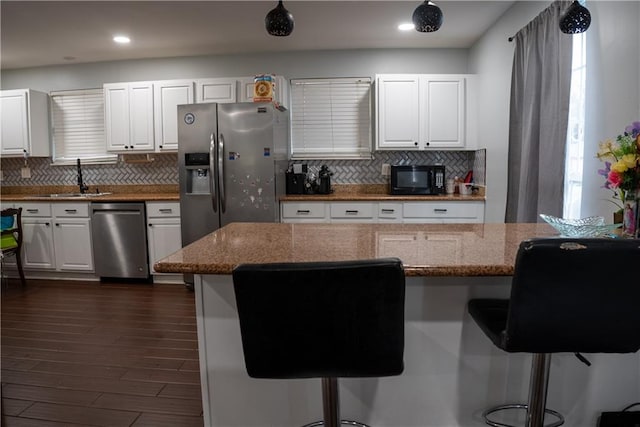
x=354, y=63
x=491, y=58
x=613, y=90
x=613, y=93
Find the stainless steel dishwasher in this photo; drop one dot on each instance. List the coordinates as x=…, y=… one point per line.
x=119, y=235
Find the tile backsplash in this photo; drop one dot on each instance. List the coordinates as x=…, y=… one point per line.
x=457, y=163
x=163, y=170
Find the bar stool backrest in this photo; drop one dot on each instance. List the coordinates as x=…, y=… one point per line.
x=575, y=295
x=322, y=319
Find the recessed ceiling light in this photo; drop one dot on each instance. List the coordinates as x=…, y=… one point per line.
x=121, y=39
x=406, y=27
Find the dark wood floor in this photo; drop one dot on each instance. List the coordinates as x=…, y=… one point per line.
x=85, y=353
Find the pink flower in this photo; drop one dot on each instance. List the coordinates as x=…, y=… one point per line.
x=615, y=179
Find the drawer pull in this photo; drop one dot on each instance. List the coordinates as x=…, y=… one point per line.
x=388, y=210
x=71, y=210
x=303, y=211
x=440, y=210
x=167, y=210
x=33, y=210
x=351, y=212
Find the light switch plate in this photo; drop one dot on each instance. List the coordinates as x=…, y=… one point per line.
x=386, y=169
x=26, y=172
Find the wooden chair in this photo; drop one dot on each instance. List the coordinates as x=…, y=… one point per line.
x=11, y=239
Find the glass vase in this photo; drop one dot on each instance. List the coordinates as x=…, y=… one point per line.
x=630, y=214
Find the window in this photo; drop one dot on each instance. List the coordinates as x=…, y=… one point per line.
x=78, y=127
x=575, y=130
x=331, y=118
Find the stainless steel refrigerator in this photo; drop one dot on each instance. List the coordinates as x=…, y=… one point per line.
x=231, y=165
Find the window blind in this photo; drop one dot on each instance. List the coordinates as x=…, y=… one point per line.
x=331, y=118
x=78, y=127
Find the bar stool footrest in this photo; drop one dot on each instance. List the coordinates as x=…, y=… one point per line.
x=342, y=422
x=495, y=409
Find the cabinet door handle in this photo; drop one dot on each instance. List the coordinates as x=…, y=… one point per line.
x=150, y=225
x=32, y=210
x=440, y=210
x=303, y=211
x=351, y=212
x=47, y=224
x=71, y=210
x=388, y=210
x=57, y=224
x=166, y=210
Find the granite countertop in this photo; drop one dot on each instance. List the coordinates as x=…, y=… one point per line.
x=117, y=193
x=425, y=249
x=375, y=193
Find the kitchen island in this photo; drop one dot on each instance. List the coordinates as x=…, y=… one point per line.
x=452, y=371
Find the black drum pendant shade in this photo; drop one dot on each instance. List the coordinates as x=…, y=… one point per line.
x=279, y=21
x=576, y=19
x=427, y=17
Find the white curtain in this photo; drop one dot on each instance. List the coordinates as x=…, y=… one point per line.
x=540, y=93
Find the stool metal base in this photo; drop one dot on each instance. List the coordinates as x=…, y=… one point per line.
x=493, y=423
x=331, y=406
x=342, y=422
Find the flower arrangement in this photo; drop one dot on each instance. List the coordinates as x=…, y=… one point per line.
x=622, y=163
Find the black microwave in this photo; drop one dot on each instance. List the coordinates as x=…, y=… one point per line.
x=417, y=179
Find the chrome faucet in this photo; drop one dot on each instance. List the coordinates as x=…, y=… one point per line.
x=83, y=188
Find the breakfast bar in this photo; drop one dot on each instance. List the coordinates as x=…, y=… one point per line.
x=452, y=371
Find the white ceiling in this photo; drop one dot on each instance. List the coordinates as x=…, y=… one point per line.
x=38, y=33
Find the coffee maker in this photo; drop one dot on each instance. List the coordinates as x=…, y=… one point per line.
x=324, y=176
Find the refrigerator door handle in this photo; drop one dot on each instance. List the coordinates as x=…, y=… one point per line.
x=212, y=178
x=221, y=183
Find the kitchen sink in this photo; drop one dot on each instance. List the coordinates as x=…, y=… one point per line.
x=65, y=195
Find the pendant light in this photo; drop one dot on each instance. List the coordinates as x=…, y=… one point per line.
x=576, y=19
x=427, y=17
x=279, y=21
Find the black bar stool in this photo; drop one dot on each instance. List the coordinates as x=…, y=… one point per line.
x=322, y=320
x=567, y=295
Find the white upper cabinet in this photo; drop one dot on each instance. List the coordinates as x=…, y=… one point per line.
x=167, y=96
x=24, y=123
x=129, y=116
x=221, y=90
x=281, y=91
x=143, y=116
x=398, y=112
x=422, y=112
x=443, y=112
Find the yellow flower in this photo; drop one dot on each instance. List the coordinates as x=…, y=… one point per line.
x=629, y=160
x=619, y=167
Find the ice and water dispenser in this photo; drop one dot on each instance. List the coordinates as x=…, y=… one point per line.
x=198, y=173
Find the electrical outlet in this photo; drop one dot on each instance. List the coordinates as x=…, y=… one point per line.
x=386, y=169
x=26, y=172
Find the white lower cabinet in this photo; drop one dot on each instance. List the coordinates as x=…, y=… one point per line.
x=72, y=237
x=389, y=212
x=423, y=212
x=163, y=230
x=443, y=212
x=37, y=243
x=304, y=212
x=57, y=236
x=352, y=212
